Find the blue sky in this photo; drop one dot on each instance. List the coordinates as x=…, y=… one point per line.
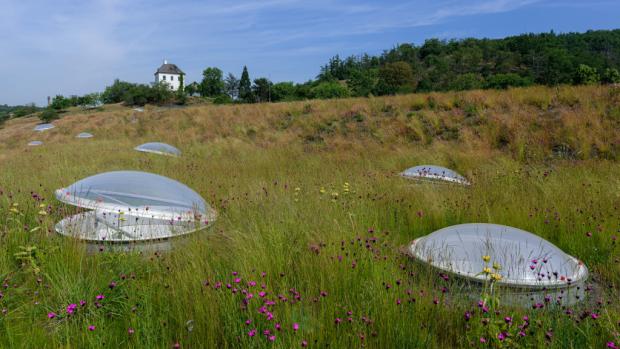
x=80, y=46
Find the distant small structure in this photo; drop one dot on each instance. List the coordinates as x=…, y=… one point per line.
x=169, y=74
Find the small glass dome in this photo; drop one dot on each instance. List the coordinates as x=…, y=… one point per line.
x=525, y=260
x=132, y=206
x=434, y=173
x=35, y=143
x=158, y=148
x=84, y=135
x=43, y=127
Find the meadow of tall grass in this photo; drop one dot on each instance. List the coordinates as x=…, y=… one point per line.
x=312, y=220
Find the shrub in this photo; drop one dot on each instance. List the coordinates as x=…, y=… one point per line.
x=222, y=99
x=504, y=81
x=586, y=75
x=330, y=89
x=48, y=115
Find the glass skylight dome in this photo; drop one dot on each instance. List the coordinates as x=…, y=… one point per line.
x=527, y=261
x=84, y=135
x=132, y=206
x=43, y=127
x=434, y=173
x=35, y=143
x=158, y=148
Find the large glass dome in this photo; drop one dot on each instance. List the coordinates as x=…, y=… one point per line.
x=434, y=173
x=158, y=148
x=525, y=260
x=84, y=135
x=131, y=206
x=35, y=143
x=43, y=127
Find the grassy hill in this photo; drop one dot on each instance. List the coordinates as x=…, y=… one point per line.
x=311, y=209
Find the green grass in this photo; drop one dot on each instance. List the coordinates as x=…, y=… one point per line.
x=303, y=240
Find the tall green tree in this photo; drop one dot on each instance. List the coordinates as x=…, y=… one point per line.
x=212, y=84
x=231, y=86
x=262, y=90
x=245, y=87
x=395, y=77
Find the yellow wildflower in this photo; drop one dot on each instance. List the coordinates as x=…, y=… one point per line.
x=486, y=270
x=497, y=266
x=486, y=258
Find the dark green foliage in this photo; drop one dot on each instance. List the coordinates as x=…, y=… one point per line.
x=262, y=90
x=586, y=75
x=504, y=81
x=231, y=86
x=611, y=76
x=395, y=77
x=192, y=89
x=48, y=114
x=467, y=81
x=523, y=60
x=116, y=92
x=362, y=82
x=245, y=87
x=222, y=99
x=212, y=84
x=330, y=89
x=141, y=94
x=283, y=91
x=181, y=84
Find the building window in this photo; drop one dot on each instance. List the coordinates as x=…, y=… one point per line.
x=164, y=77
x=171, y=77
x=171, y=87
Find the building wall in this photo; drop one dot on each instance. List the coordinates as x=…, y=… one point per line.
x=171, y=79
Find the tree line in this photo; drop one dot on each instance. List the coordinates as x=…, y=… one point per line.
x=440, y=65
x=436, y=65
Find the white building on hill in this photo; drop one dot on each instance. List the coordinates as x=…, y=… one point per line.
x=169, y=74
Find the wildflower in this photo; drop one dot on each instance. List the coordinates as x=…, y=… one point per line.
x=304, y=344
x=272, y=338
x=252, y=333
x=486, y=270
x=496, y=277
x=51, y=315
x=338, y=320
x=278, y=326
x=82, y=303
x=594, y=316
x=467, y=316
x=508, y=319
x=112, y=285
x=237, y=280
x=497, y=266
x=611, y=345
x=248, y=321
x=100, y=297
x=295, y=326
x=130, y=331
x=486, y=258
x=483, y=340
x=521, y=334
x=91, y=328
x=43, y=213
x=501, y=336
x=71, y=308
